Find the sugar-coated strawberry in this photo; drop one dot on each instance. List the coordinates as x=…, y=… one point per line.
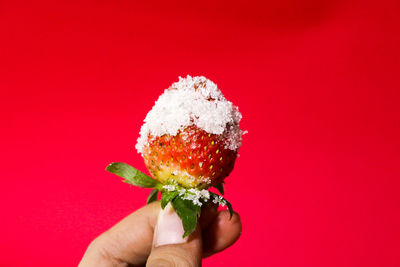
x=189, y=142
x=192, y=158
x=191, y=135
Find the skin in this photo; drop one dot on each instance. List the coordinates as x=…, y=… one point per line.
x=130, y=242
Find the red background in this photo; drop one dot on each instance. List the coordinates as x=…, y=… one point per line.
x=317, y=183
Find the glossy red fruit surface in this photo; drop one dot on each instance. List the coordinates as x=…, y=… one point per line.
x=193, y=158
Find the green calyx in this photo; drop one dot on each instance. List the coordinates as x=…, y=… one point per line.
x=187, y=202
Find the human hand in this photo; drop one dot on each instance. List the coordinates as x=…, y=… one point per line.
x=153, y=237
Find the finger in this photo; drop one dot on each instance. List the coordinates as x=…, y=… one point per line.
x=221, y=233
x=129, y=241
x=208, y=214
x=169, y=246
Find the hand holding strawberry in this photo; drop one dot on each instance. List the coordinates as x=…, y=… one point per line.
x=189, y=143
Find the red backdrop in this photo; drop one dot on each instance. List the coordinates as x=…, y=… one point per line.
x=317, y=183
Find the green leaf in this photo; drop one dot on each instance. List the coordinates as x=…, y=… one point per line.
x=152, y=196
x=220, y=188
x=167, y=196
x=187, y=212
x=132, y=176
x=229, y=205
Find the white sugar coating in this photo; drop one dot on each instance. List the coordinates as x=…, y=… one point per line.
x=219, y=200
x=193, y=194
x=193, y=101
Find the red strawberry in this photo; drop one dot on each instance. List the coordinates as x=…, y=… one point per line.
x=192, y=158
x=190, y=137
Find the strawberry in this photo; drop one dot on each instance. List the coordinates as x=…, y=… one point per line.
x=192, y=158
x=189, y=142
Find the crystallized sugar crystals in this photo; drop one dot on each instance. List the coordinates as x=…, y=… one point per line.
x=193, y=194
x=193, y=100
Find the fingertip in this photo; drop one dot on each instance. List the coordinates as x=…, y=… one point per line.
x=222, y=232
x=231, y=225
x=225, y=215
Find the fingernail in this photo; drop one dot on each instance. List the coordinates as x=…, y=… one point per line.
x=169, y=228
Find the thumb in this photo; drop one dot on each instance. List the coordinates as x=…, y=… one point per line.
x=169, y=248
